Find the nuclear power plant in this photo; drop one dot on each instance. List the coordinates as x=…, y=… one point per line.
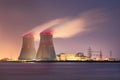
x=46, y=51
x=46, y=48
x=28, y=48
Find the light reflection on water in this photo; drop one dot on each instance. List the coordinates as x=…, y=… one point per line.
x=59, y=71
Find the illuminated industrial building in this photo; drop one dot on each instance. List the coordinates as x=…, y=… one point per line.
x=28, y=48
x=72, y=57
x=46, y=48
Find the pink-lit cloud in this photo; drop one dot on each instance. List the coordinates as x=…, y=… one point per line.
x=68, y=26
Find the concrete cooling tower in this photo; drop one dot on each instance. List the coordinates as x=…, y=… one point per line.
x=46, y=48
x=28, y=48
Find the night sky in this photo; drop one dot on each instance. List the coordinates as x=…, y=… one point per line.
x=18, y=17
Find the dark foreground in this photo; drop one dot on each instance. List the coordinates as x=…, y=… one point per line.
x=59, y=71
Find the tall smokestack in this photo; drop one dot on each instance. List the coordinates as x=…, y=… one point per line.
x=46, y=48
x=28, y=48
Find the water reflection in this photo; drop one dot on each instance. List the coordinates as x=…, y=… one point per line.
x=59, y=71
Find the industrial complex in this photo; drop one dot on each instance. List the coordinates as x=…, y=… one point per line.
x=46, y=51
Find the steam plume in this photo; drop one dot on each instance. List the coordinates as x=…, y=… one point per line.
x=68, y=27
x=40, y=28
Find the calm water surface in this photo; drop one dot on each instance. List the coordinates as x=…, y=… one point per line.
x=60, y=71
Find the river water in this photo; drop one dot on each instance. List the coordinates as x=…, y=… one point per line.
x=59, y=71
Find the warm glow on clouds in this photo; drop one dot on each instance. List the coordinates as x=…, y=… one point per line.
x=62, y=28
x=69, y=29
x=68, y=26
x=8, y=49
x=7, y=52
x=75, y=27
x=37, y=30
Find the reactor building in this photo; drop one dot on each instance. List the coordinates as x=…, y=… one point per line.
x=28, y=51
x=46, y=48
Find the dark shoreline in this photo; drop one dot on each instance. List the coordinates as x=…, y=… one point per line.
x=60, y=61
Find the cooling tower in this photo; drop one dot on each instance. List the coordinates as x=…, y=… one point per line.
x=28, y=48
x=46, y=48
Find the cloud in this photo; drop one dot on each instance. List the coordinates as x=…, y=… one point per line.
x=37, y=30
x=68, y=27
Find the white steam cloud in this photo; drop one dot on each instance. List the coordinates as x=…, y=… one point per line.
x=68, y=27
